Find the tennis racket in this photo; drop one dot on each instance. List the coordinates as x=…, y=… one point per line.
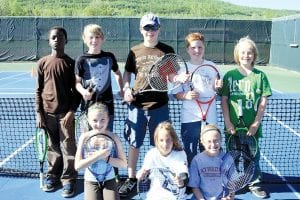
x=237, y=170
x=158, y=75
x=97, y=142
x=41, y=145
x=241, y=140
x=203, y=81
x=158, y=184
x=81, y=122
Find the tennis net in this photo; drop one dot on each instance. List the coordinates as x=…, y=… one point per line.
x=280, y=145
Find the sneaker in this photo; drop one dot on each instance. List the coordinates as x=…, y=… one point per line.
x=50, y=185
x=68, y=190
x=258, y=192
x=128, y=186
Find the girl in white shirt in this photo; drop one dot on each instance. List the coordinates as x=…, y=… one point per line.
x=167, y=153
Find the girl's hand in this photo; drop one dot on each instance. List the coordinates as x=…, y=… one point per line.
x=178, y=181
x=142, y=174
x=228, y=197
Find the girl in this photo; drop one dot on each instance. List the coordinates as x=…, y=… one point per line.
x=98, y=119
x=251, y=86
x=206, y=181
x=169, y=154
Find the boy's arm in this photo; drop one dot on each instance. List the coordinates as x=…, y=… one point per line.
x=259, y=115
x=40, y=120
x=85, y=93
x=119, y=80
x=225, y=108
x=126, y=87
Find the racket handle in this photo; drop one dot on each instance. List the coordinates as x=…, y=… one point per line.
x=41, y=180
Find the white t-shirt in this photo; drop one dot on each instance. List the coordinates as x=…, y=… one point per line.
x=190, y=111
x=176, y=161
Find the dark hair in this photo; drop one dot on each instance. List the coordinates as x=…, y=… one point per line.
x=59, y=28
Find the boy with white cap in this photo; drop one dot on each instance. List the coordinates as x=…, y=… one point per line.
x=146, y=109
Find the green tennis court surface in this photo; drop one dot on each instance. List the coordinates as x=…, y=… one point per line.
x=280, y=145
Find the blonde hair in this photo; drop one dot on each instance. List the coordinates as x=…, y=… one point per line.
x=207, y=129
x=238, y=46
x=100, y=107
x=92, y=28
x=168, y=127
x=192, y=37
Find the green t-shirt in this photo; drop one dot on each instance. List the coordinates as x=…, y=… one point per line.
x=247, y=88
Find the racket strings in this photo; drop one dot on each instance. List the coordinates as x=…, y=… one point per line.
x=100, y=169
x=240, y=172
x=241, y=141
x=158, y=75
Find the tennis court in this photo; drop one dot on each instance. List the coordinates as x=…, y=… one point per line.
x=19, y=166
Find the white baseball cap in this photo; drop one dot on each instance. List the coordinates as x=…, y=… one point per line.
x=149, y=19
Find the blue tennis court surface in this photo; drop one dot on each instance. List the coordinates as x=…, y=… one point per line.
x=275, y=160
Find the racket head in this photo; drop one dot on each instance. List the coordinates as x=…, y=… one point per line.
x=237, y=170
x=96, y=142
x=158, y=180
x=81, y=124
x=203, y=81
x=41, y=143
x=158, y=77
x=241, y=141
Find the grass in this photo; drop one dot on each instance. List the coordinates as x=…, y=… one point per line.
x=136, y=8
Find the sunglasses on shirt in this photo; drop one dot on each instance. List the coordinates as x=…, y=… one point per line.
x=150, y=28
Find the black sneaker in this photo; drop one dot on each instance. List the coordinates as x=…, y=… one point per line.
x=50, y=185
x=128, y=186
x=68, y=190
x=258, y=192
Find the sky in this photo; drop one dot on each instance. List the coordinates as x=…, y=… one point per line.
x=272, y=4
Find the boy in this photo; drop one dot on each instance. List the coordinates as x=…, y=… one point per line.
x=146, y=109
x=96, y=65
x=56, y=101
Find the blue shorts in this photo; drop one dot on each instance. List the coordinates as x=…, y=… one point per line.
x=138, y=120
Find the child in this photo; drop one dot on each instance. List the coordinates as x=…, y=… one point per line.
x=98, y=119
x=147, y=109
x=250, y=85
x=191, y=114
x=206, y=181
x=167, y=153
x=95, y=66
x=56, y=100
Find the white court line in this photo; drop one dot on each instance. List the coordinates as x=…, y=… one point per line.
x=13, y=76
x=278, y=91
x=273, y=166
x=12, y=155
x=282, y=124
x=297, y=194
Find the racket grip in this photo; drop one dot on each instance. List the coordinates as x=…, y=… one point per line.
x=41, y=180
